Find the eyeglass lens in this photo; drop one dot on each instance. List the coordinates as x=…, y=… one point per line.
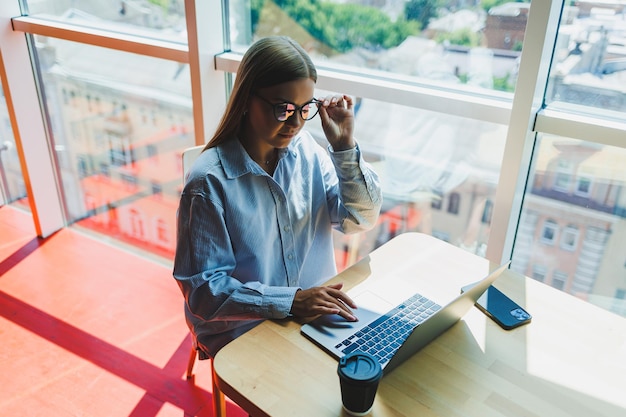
x=284, y=111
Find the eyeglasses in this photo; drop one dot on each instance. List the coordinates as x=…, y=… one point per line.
x=283, y=111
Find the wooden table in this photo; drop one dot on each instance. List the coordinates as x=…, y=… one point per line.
x=569, y=361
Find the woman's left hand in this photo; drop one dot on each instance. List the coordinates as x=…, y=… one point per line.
x=338, y=121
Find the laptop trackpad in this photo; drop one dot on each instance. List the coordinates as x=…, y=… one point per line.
x=369, y=301
x=328, y=329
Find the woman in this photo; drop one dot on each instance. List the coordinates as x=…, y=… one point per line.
x=256, y=215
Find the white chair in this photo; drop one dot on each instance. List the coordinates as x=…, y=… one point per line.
x=189, y=156
x=219, y=404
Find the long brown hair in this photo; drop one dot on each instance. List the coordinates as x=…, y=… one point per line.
x=268, y=62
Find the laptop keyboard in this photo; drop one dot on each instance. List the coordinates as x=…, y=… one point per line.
x=383, y=337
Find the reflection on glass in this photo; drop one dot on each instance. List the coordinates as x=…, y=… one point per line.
x=573, y=225
x=438, y=173
x=162, y=19
x=120, y=122
x=471, y=44
x=12, y=186
x=589, y=66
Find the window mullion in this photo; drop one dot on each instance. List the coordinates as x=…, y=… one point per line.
x=31, y=139
x=539, y=41
x=576, y=126
x=484, y=108
x=208, y=85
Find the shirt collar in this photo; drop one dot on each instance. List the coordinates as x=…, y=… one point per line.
x=237, y=162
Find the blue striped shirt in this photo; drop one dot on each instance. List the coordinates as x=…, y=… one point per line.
x=247, y=241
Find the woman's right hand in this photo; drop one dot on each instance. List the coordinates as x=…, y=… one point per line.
x=323, y=300
x=338, y=121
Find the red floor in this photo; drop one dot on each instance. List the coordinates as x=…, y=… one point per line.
x=88, y=329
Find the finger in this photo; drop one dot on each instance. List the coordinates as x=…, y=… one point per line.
x=341, y=313
x=347, y=300
x=336, y=307
x=341, y=296
x=346, y=313
x=343, y=309
x=324, y=115
x=348, y=101
x=332, y=101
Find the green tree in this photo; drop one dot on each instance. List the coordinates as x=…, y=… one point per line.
x=255, y=12
x=346, y=26
x=488, y=4
x=164, y=4
x=503, y=83
x=463, y=37
x=359, y=26
x=420, y=11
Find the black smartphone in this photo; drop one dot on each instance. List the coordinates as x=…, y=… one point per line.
x=501, y=309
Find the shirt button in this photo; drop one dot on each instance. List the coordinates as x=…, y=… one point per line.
x=290, y=256
x=287, y=228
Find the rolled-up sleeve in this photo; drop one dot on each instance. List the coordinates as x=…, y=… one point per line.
x=357, y=197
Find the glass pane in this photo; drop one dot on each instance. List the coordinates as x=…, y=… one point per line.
x=160, y=19
x=119, y=122
x=12, y=186
x=573, y=224
x=471, y=45
x=438, y=173
x=588, y=73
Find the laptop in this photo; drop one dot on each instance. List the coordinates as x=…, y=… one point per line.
x=396, y=335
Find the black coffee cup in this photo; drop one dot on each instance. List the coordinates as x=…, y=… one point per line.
x=359, y=374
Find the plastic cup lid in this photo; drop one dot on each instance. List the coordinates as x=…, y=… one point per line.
x=359, y=366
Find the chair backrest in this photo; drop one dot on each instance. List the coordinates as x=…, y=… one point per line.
x=189, y=156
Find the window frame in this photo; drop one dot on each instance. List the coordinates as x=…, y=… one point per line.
x=563, y=176
x=560, y=278
x=580, y=179
x=539, y=273
x=553, y=226
x=567, y=231
x=454, y=203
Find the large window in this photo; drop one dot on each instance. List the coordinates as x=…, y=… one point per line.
x=576, y=237
x=578, y=174
x=467, y=45
x=159, y=19
x=118, y=132
x=12, y=186
x=505, y=141
x=425, y=159
x=588, y=73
